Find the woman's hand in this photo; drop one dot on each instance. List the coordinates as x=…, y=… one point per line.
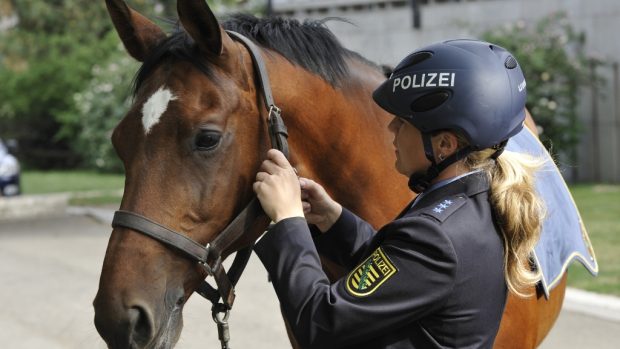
x=319, y=208
x=277, y=188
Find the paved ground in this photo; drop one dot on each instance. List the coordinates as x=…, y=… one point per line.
x=49, y=271
x=576, y=330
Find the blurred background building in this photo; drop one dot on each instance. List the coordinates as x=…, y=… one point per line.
x=386, y=30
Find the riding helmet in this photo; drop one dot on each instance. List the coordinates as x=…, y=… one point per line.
x=473, y=87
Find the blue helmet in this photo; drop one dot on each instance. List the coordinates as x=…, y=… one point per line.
x=473, y=87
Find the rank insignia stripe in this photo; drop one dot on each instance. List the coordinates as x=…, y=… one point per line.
x=445, y=208
x=366, y=278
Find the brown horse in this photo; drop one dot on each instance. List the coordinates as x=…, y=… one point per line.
x=193, y=140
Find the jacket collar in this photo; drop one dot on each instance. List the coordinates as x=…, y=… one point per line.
x=470, y=185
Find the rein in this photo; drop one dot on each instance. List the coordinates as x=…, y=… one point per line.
x=209, y=257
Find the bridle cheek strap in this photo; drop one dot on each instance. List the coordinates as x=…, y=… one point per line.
x=278, y=133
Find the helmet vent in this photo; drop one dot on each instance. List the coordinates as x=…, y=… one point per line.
x=414, y=59
x=510, y=62
x=429, y=101
x=419, y=57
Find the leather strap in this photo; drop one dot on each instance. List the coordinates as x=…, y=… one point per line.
x=278, y=132
x=234, y=274
x=161, y=233
x=251, y=215
x=259, y=65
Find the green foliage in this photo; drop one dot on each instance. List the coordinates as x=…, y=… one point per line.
x=599, y=206
x=35, y=96
x=247, y=6
x=43, y=61
x=101, y=105
x=61, y=17
x=555, y=66
x=43, y=182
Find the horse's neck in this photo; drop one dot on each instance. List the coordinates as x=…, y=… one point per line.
x=339, y=138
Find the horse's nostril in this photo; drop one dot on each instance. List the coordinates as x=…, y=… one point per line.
x=140, y=326
x=180, y=301
x=175, y=298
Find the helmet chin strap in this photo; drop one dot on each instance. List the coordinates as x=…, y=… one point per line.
x=420, y=181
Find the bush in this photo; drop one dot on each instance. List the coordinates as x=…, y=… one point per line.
x=101, y=105
x=44, y=59
x=555, y=66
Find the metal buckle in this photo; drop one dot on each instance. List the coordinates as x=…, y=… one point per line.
x=204, y=263
x=220, y=314
x=206, y=267
x=273, y=109
x=211, y=269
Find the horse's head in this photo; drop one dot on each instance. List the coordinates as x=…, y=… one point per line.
x=189, y=147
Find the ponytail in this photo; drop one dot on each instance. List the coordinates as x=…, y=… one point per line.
x=518, y=210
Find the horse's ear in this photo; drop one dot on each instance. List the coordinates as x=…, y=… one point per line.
x=202, y=25
x=138, y=33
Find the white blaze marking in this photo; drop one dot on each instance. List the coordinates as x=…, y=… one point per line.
x=155, y=107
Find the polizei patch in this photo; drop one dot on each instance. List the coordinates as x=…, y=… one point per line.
x=155, y=107
x=372, y=273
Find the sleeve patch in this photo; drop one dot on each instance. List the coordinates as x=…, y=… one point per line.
x=366, y=278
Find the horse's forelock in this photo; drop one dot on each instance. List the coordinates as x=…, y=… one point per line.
x=178, y=46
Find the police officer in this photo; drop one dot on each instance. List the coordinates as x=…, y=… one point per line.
x=437, y=276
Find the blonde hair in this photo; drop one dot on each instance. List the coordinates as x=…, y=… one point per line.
x=518, y=210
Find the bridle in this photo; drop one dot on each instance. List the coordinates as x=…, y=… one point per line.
x=209, y=257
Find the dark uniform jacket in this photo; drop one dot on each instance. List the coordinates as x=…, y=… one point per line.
x=432, y=278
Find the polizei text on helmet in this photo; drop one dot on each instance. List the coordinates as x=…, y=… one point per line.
x=424, y=80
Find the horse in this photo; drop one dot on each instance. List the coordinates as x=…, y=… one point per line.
x=195, y=136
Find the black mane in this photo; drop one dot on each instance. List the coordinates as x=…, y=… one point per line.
x=309, y=44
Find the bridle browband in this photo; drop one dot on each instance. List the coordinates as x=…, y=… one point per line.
x=210, y=256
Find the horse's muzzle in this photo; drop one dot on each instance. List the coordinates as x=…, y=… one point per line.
x=124, y=327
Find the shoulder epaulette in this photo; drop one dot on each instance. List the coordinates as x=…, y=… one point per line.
x=442, y=209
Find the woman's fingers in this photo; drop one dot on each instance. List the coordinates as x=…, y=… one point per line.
x=275, y=162
x=256, y=186
x=269, y=167
x=303, y=182
x=261, y=176
x=277, y=188
x=313, y=191
x=278, y=158
x=309, y=186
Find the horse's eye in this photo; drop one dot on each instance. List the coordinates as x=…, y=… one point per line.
x=207, y=140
